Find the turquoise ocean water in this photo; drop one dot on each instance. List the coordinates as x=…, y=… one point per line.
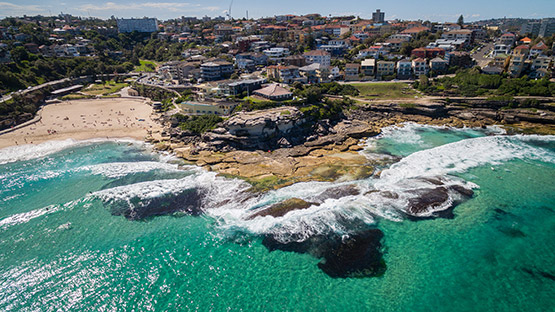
x=85, y=226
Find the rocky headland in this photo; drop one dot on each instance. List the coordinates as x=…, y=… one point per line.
x=277, y=147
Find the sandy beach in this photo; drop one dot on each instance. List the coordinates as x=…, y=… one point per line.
x=87, y=119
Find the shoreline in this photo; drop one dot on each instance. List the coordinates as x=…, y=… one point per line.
x=332, y=157
x=113, y=118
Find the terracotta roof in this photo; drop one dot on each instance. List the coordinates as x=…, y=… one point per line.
x=525, y=39
x=317, y=53
x=273, y=90
x=521, y=47
x=415, y=30
x=540, y=46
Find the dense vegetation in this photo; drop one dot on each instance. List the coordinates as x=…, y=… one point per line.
x=198, y=124
x=30, y=69
x=472, y=83
x=154, y=93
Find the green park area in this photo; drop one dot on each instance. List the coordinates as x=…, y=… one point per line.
x=105, y=88
x=146, y=66
x=386, y=90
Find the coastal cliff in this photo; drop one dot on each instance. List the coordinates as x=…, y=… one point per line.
x=276, y=147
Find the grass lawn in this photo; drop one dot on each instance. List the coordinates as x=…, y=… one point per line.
x=386, y=90
x=104, y=89
x=146, y=66
x=75, y=96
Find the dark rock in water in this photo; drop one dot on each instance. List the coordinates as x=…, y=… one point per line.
x=547, y=275
x=433, y=181
x=535, y=272
x=314, y=245
x=280, y=209
x=462, y=190
x=188, y=202
x=512, y=232
x=339, y=192
x=427, y=198
x=359, y=255
x=389, y=194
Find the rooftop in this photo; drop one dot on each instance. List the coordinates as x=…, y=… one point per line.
x=273, y=90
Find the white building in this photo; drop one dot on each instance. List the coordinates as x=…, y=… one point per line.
x=277, y=54
x=146, y=25
x=318, y=56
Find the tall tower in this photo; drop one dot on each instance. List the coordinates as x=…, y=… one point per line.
x=378, y=16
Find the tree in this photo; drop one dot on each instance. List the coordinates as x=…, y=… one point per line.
x=460, y=21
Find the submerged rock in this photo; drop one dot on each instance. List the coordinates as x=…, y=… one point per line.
x=427, y=199
x=188, y=202
x=357, y=255
x=339, y=192
x=280, y=209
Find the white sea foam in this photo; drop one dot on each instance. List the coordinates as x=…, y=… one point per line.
x=33, y=151
x=217, y=189
x=462, y=155
x=121, y=169
x=387, y=197
x=27, y=216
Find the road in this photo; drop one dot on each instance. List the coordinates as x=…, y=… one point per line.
x=480, y=56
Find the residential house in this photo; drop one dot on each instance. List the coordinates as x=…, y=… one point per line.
x=404, y=69
x=439, y=65
x=463, y=34
x=32, y=47
x=318, y=56
x=368, y=67
x=541, y=67
x=517, y=63
x=420, y=67
x=358, y=27
x=525, y=40
x=361, y=35
x=274, y=92
x=215, y=108
x=427, y=53
x=352, y=71
x=315, y=73
x=216, y=70
x=337, y=30
x=508, y=39
x=295, y=60
x=285, y=74
x=459, y=59
x=413, y=31
x=404, y=37
x=245, y=85
x=539, y=48
x=374, y=52
x=447, y=44
x=395, y=44
x=250, y=60
x=385, y=68
x=277, y=54
x=335, y=73
x=245, y=64
x=500, y=48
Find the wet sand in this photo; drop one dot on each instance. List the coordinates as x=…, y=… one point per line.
x=87, y=119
